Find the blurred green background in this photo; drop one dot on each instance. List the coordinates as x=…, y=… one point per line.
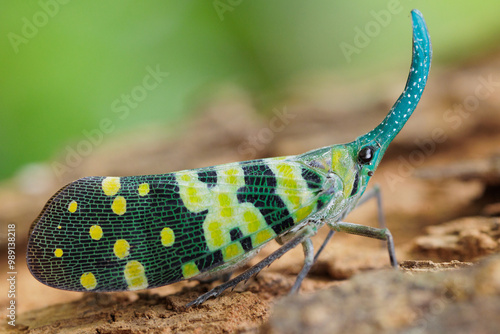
x=65, y=65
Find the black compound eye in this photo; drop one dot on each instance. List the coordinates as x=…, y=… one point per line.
x=366, y=154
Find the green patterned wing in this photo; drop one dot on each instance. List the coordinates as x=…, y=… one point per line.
x=131, y=233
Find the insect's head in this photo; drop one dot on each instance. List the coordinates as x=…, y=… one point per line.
x=362, y=156
x=354, y=164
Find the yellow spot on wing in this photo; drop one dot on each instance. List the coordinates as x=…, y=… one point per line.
x=263, y=236
x=225, y=204
x=190, y=269
x=250, y=216
x=135, y=276
x=111, y=185
x=215, y=234
x=88, y=281
x=231, y=176
x=214, y=226
x=119, y=205
x=167, y=237
x=231, y=251
x=304, y=212
x=224, y=200
x=95, y=232
x=121, y=248
x=226, y=213
x=253, y=226
x=285, y=171
x=295, y=200
x=72, y=206
x=58, y=252
x=143, y=189
x=253, y=221
x=194, y=193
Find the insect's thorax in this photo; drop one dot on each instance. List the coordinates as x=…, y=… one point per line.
x=340, y=188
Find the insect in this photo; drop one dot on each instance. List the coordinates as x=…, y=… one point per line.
x=138, y=232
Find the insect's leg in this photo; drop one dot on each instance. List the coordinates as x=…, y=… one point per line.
x=373, y=192
x=323, y=245
x=251, y=271
x=370, y=232
x=308, y=262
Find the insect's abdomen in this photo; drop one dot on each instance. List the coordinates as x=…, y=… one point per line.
x=130, y=233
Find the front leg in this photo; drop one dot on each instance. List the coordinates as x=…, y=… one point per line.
x=372, y=193
x=370, y=232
